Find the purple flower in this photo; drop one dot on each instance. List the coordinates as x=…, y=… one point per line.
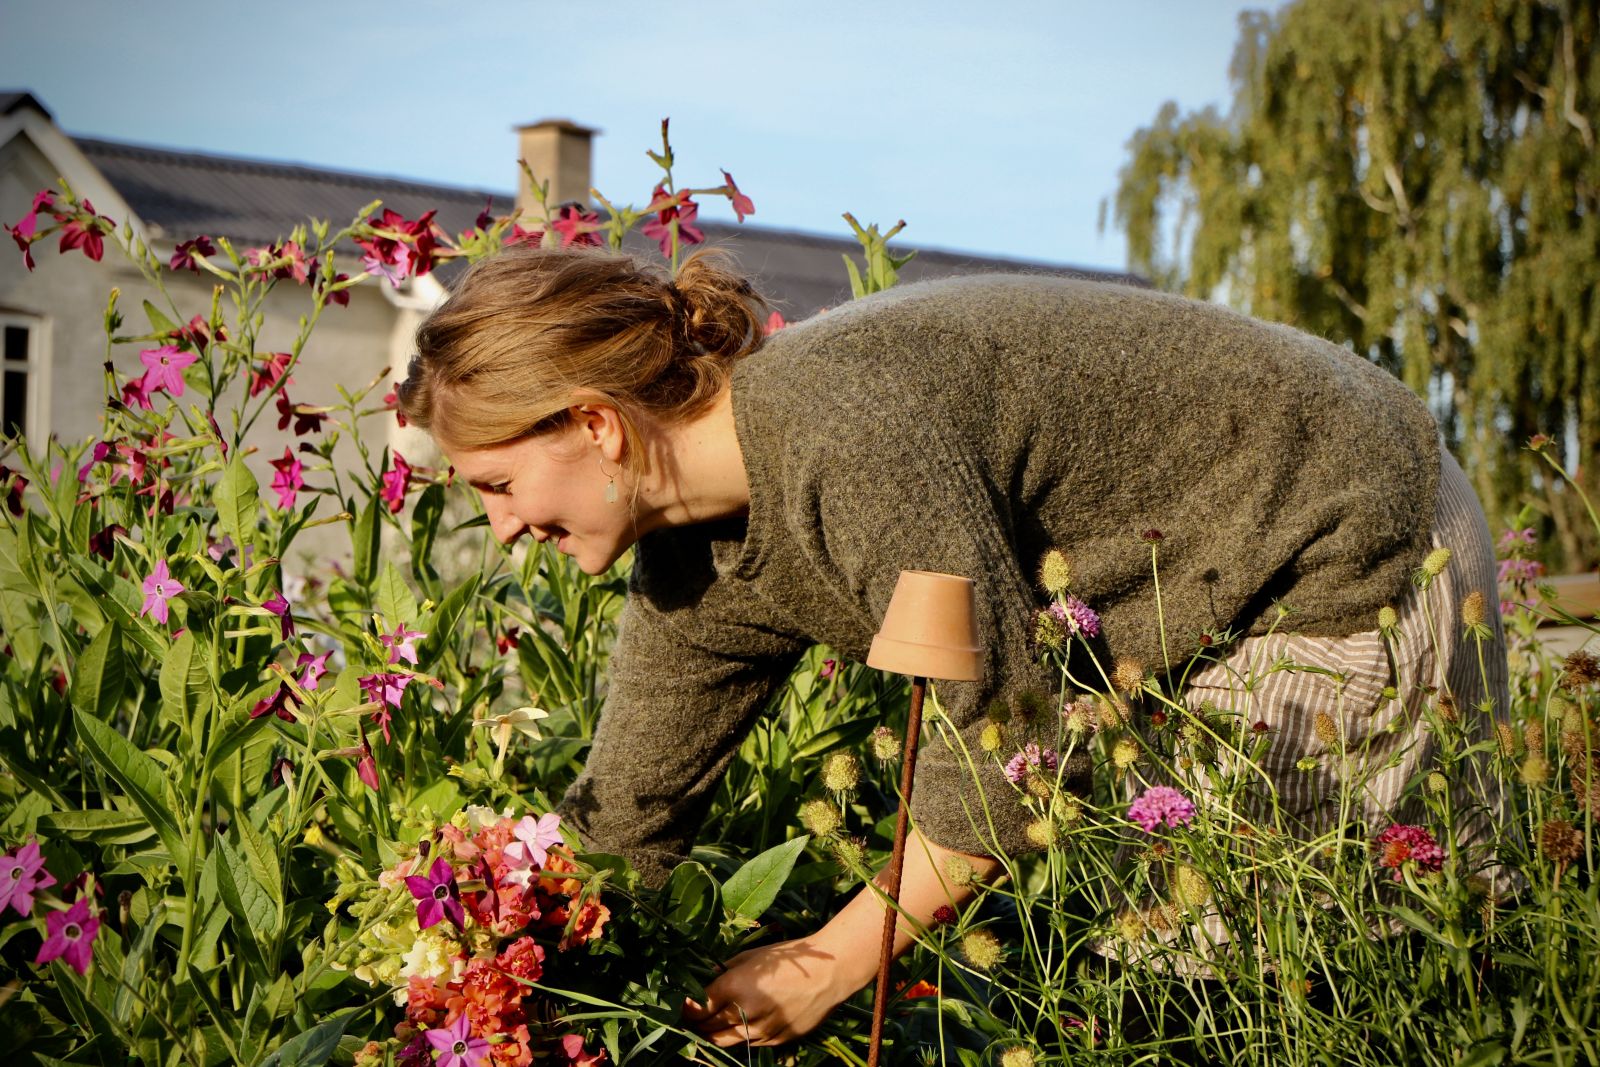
x=165, y=368
x=1514, y=539
x=183, y=255
x=402, y=644
x=1520, y=571
x=454, y=1047
x=437, y=895
x=22, y=874
x=70, y=934
x=1031, y=756
x=159, y=588
x=280, y=607
x=277, y=704
x=1161, y=804
x=1076, y=616
x=531, y=847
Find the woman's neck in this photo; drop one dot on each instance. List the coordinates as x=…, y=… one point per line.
x=695, y=471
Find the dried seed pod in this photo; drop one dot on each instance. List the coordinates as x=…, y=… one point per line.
x=1560, y=841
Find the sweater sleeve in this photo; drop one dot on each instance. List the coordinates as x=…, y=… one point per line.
x=687, y=679
x=916, y=496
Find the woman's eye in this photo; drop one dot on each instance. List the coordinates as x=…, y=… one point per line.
x=501, y=487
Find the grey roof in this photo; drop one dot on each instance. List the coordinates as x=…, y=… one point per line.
x=184, y=194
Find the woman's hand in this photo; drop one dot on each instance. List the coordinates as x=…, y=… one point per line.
x=772, y=995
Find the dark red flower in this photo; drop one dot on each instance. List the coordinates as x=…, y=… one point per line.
x=103, y=543
x=507, y=641
x=306, y=420
x=577, y=226
x=86, y=231
x=485, y=219
x=944, y=915
x=391, y=402
x=677, y=207
x=183, y=255
x=266, y=376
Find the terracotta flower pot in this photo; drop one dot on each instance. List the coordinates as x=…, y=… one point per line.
x=930, y=629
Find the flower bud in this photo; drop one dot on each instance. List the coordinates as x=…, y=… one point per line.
x=849, y=853
x=841, y=772
x=1190, y=888
x=958, y=869
x=1041, y=833
x=1437, y=783
x=1129, y=925
x=991, y=738
x=1048, y=632
x=1055, y=572
x=1127, y=674
x=1326, y=729
x=1535, y=770
x=1017, y=1056
x=1435, y=562
x=1473, y=611
x=1559, y=841
x=1507, y=738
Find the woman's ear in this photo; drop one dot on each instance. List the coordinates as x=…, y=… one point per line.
x=601, y=425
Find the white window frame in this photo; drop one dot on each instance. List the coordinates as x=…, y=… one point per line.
x=36, y=408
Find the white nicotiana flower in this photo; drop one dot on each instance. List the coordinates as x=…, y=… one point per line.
x=516, y=721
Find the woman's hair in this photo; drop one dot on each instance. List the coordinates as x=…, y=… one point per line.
x=531, y=331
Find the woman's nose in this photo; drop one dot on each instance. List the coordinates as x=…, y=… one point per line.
x=505, y=526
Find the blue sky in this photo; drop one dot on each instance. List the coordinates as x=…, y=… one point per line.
x=995, y=128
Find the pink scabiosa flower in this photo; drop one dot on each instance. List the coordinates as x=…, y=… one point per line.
x=402, y=644
x=1402, y=843
x=288, y=481
x=527, y=854
x=164, y=368
x=1076, y=616
x=22, y=874
x=159, y=588
x=1161, y=805
x=1030, y=757
x=396, y=481
x=437, y=895
x=70, y=934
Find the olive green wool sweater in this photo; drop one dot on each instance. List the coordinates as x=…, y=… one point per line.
x=967, y=426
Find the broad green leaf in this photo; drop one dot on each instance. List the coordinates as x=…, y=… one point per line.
x=255, y=917
x=237, y=500
x=395, y=601
x=97, y=675
x=365, y=533
x=425, y=516
x=185, y=687
x=98, y=826
x=442, y=624
x=312, y=1048
x=751, y=889
x=262, y=858
x=139, y=776
x=159, y=323
x=692, y=896
x=845, y=735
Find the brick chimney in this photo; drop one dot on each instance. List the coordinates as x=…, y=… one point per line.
x=557, y=151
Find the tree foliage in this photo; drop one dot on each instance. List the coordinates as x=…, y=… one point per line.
x=1418, y=179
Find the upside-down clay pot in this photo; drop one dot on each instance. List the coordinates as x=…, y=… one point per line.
x=930, y=628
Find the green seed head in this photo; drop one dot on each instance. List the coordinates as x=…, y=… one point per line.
x=1055, y=572
x=982, y=949
x=1388, y=618
x=841, y=772
x=1436, y=562
x=820, y=817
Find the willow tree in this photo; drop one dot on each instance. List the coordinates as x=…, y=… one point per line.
x=1418, y=179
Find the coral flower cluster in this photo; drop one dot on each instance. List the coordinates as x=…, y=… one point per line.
x=465, y=926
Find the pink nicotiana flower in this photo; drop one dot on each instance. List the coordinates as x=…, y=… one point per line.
x=101, y=450
x=315, y=668
x=165, y=368
x=85, y=230
x=402, y=644
x=677, y=207
x=1402, y=843
x=367, y=768
x=183, y=255
x=531, y=847
x=159, y=588
x=437, y=895
x=287, y=482
x=270, y=372
x=136, y=395
x=22, y=874
x=280, y=607
x=385, y=690
x=1077, y=617
x=577, y=1056
x=396, y=482
x=70, y=934
x=742, y=205
x=454, y=1047
x=1161, y=805
x=577, y=226
x=1031, y=756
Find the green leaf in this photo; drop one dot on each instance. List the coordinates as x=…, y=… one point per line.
x=262, y=858
x=185, y=687
x=845, y=735
x=314, y=1047
x=97, y=676
x=364, y=535
x=238, y=503
x=140, y=777
x=133, y=967
x=425, y=516
x=159, y=323
x=751, y=889
x=98, y=826
x=394, y=598
x=255, y=917
x=691, y=899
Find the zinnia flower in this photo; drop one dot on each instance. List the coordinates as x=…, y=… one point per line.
x=1161, y=805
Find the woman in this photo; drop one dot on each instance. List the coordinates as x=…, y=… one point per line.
x=774, y=489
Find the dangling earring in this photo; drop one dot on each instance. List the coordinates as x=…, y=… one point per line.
x=611, y=482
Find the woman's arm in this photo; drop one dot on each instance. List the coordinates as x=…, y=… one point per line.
x=775, y=994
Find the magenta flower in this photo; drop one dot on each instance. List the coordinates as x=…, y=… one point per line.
x=276, y=704
x=101, y=450
x=396, y=481
x=1031, y=756
x=742, y=205
x=1077, y=617
x=385, y=690
x=775, y=322
x=271, y=370
x=437, y=895
x=165, y=368
x=280, y=607
x=22, y=874
x=577, y=1056
x=1516, y=539
x=1520, y=571
x=315, y=668
x=679, y=207
x=85, y=230
x=527, y=853
x=1161, y=804
x=306, y=419
x=402, y=644
x=454, y=1047
x=287, y=482
x=577, y=226
x=135, y=395
x=367, y=768
x=70, y=934
x=1401, y=844
x=159, y=588
x=183, y=255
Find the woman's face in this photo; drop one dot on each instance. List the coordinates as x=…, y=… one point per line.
x=551, y=486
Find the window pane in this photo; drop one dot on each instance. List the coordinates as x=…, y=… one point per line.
x=14, y=398
x=17, y=343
